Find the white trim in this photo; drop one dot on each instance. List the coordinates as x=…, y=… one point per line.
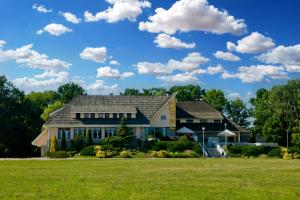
x=94, y=126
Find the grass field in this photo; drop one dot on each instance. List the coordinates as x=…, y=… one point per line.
x=121, y=179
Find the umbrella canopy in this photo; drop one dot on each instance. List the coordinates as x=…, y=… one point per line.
x=227, y=133
x=184, y=130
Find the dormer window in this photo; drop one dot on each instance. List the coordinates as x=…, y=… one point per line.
x=106, y=115
x=115, y=115
x=120, y=115
x=190, y=121
x=129, y=115
x=100, y=115
x=86, y=115
x=77, y=115
x=92, y=115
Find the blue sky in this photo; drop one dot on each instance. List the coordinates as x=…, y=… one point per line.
x=107, y=46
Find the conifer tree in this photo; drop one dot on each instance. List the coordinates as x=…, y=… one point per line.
x=89, y=139
x=53, y=144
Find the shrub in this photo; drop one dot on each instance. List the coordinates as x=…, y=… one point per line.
x=101, y=153
x=247, y=151
x=89, y=139
x=125, y=154
x=78, y=142
x=53, y=144
x=88, y=151
x=276, y=152
x=159, y=154
x=72, y=153
x=285, y=154
x=191, y=154
x=59, y=154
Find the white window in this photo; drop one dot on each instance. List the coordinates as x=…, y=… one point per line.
x=163, y=117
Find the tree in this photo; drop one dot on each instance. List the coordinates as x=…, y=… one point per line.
x=78, y=142
x=18, y=125
x=216, y=99
x=125, y=134
x=53, y=144
x=131, y=92
x=63, y=144
x=188, y=92
x=51, y=108
x=238, y=112
x=276, y=111
x=89, y=139
x=68, y=91
x=159, y=91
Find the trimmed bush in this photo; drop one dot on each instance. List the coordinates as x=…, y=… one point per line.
x=88, y=151
x=59, y=154
x=125, y=154
x=247, y=151
x=159, y=154
x=276, y=152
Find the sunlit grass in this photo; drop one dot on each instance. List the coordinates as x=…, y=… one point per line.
x=122, y=179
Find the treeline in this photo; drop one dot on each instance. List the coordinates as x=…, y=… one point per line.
x=22, y=116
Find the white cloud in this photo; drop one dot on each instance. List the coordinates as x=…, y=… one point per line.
x=282, y=55
x=189, y=63
x=97, y=54
x=167, y=41
x=114, y=62
x=189, y=15
x=210, y=70
x=54, y=80
x=233, y=95
x=108, y=72
x=54, y=29
x=253, y=43
x=183, y=78
x=256, y=73
x=41, y=8
x=70, y=17
x=230, y=46
x=99, y=87
x=292, y=68
x=33, y=59
x=120, y=10
x=226, y=56
x=2, y=43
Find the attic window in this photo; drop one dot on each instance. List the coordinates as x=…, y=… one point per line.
x=115, y=115
x=163, y=117
x=77, y=115
x=100, y=115
x=106, y=115
x=217, y=121
x=128, y=115
x=86, y=115
x=92, y=115
x=189, y=121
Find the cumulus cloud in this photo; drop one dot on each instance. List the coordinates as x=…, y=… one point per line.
x=230, y=46
x=183, y=78
x=120, y=10
x=108, y=72
x=256, y=73
x=210, y=70
x=2, y=43
x=253, y=43
x=189, y=63
x=228, y=56
x=233, y=95
x=41, y=8
x=292, y=68
x=114, y=62
x=167, y=41
x=99, y=87
x=97, y=54
x=282, y=55
x=189, y=15
x=39, y=81
x=70, y=17
x=26, y=55
x=54, y=29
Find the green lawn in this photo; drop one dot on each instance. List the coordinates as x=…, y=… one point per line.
x=121, y=179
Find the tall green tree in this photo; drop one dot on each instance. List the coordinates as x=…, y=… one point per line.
x=125, y=134
x=238, y=112
x=216, y=99
x=51, y=108
x=155, y=91
x=188, y=92
x=131, y=92
x=68, y=91
x=277, y=111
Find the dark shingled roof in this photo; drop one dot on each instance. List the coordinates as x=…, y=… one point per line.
x=145, y=106
x=196, y=109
